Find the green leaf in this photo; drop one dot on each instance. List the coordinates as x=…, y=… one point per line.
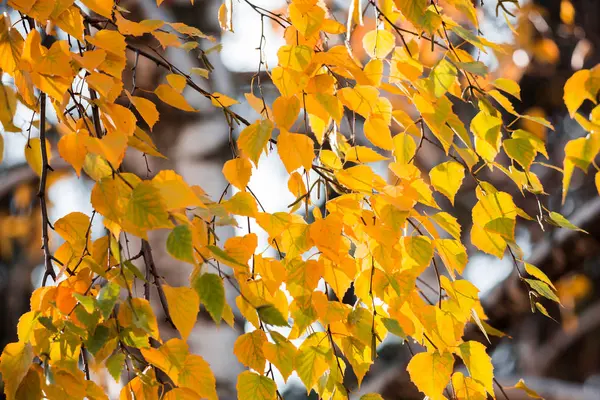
x=179, y=244
x=393, y=327
x=98, y=339
x=138, y=274
x=107, y=298
x=542, y=289
x=474, y=67
x=115, y=364
x=212, y=294
x=269, y=314
x=558, y=220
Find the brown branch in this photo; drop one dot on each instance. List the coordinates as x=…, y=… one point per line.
x=151, y=269
x=49, y=269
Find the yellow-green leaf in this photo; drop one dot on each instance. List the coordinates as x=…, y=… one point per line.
x=281, y=353
x=478, y=363
x=447, y=178
x=254, y=138
x=251, y=386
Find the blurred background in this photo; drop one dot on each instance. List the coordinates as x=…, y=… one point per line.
x=544, y=42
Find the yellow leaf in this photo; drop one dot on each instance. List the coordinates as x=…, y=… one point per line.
x=374, y=71
x=478, y=363
x=254, y=138
x=360, y=178
x=379, y=43
x=196, y=375
x=430, y=372
x=249, y=350
x=146, y=108
x=579, y=153
x=238, y=172
x=128, y=27
x=175, y=192
x=102, y=7
x=288, y=81
x=144, y=386
x=466, y=388
x=138, y=314
x=453, y=254
x=170, y=96
x=295, y=57
x=241, y=203
x=33, y=154
x=530, y=392
x=112, y=147
x=577, y=91
x=111, y=41
x=252, y=386
x=307, y=19
x=72, y=148
x=285, y=111
x=11, y=45
x=14, y=364
x=447, y=178
x=107, y=86
x=509, y=86
x=404, y=148
x=378, y=133
x=362, y=154
x=167, y=39
x=361, y=99
x=222, y=101
x=295, y=150
x=184, y=305
x=226, y=16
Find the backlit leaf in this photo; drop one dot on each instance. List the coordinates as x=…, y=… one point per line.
x=430, y=372
x=447, y=178
x=252, y=386
x=249, y=350
x=254, y=138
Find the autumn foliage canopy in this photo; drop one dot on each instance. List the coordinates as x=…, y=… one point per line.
x=352, y=226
